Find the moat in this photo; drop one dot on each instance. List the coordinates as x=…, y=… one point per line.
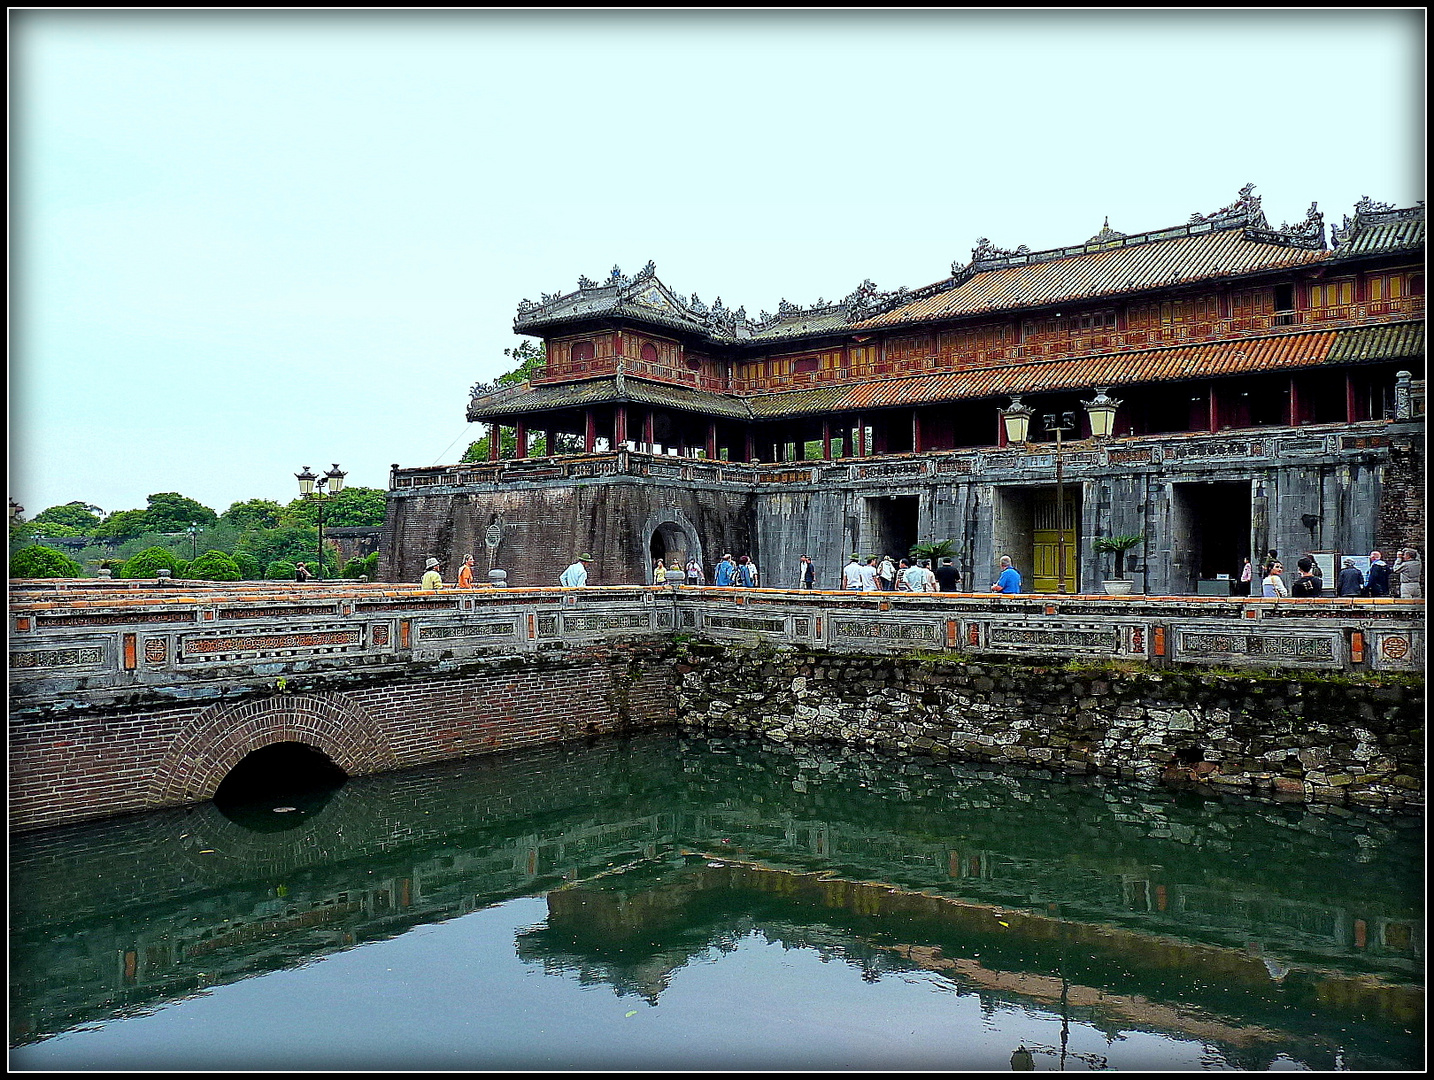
x=670, y=902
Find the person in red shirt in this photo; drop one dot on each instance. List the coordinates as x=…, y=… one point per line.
x=465, y=573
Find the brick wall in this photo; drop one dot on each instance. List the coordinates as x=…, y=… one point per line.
x=68, y=767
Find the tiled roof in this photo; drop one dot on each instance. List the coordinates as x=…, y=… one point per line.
x=1205, y=360
x=1092, y=274
x=552, y=397
x=1377, y=228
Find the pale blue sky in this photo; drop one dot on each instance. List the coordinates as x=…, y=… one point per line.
x=248, y=242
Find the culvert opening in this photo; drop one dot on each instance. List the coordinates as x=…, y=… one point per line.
x=278, y=787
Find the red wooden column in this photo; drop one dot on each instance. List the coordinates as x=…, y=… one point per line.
x=1214, y=409
x=495, y=440
x=916, y=431
x=751, y=445
x=1294, y=417
x=589, y=431
x=619, y=426
x=1351, y=400
x=649, y=425
x=860, y=438
x=827, y=439
x=550, y=442
x=520, y=434
x=711, y=440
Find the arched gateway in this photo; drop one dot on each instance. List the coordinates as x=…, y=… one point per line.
x=669, y=535
x=223, y=735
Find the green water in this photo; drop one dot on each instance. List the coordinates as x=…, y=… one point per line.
x=672, y=903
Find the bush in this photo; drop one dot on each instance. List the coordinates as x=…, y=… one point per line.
x=280, y=570
x=213, y=566
x=36, y=561
x=249, y=568
x=367, y=566
x=148, y=563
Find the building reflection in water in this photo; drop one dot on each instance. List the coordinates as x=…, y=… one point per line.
x=1250, y=926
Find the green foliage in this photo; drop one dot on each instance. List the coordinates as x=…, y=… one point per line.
x=213, y=566
x=531, y=358
x=253, y=514
x=37, y=561
x=249, y=568
x=364, y=566
x=355, y=507
x=122, y=525
x=79, y=516
x=1118, y=546
x=934, y=550
x=170, y=511
x=52, y=528
x=148, y=563
x=280, y=570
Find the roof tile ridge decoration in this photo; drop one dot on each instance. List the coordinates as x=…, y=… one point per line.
x=863, y=302
x=1368, y=213
x=492, y=393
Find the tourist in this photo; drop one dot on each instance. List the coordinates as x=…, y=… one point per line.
x=659, y=573
x=901, y=585
x=1377, y=581
x=1410, y=569
x=576, y=575
x=886, y=573
x=928, y=577
x=1274, y=585
x=851, y=574
x=806, y=573
x=1308, y=583
x=1315, y=567
x=1009, y=583
x=465, y=573
x=1247, y=575
x=301, y=572
x=869, y=582
x=915, y=576
x=694, y=573
x=948, y=578
x=432, y=579
x=746, y=573
x=726, y=572
x=1351, y=581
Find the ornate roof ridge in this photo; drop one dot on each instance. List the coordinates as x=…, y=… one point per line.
x=1367, y=213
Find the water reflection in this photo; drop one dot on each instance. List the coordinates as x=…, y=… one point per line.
x=1262, y=930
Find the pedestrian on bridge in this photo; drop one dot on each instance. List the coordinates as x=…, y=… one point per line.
x=465, y=573
x=725, y=572
x=806, y=573
x=576, y=574
x=1009, y=583
x=432, y=579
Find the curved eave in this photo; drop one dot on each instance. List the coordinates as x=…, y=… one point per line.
x=560, y=397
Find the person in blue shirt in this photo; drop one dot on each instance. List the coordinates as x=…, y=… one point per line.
x=726, y=572
x=1009, y=583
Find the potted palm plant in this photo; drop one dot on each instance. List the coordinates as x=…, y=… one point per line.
x=1119, y=585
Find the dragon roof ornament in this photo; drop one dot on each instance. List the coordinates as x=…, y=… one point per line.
x=1369, y=212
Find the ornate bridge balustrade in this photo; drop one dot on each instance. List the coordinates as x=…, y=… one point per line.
x=74, y=644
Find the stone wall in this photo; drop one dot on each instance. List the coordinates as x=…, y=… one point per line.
x=1296, y=736
x=69, y=766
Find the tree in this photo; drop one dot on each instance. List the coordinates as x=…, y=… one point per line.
x=79, y=516
x=253, y=514
x=149, y=562
x=280, y=570
x=531, y=359
x=122, y=525
x=354, y=507
x=249, y=568
x=170, y=511
x=37, y=561
x=213, y=566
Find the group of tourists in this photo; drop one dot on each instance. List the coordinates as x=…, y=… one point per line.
x=885, y=574
x=1404, y=579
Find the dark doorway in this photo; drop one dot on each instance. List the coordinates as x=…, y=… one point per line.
x=891, y=526
x=1210, y=533
x=278, y=787
x=668, y=543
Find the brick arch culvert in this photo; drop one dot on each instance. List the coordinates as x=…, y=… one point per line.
x=221, y=736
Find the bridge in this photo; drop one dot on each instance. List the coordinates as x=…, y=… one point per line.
x=135, y=695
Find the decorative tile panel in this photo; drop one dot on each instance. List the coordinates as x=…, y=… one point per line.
x=1044, y=638
x=1318, y=649
x=505, y=628
x=634, y=621
x=221, y=647
x=745, y=622
x=881, y=630
x=32, y=659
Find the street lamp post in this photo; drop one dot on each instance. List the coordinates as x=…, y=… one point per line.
x=1059, y=423
x=313, y=486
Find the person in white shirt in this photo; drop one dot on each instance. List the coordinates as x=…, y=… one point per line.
x=576, y=574
x=851, y=574
x=886, y=571
x=868, y=576
x=915, y=578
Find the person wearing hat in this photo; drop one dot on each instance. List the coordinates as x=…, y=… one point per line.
x=432, y=579
x=301, y=572
x=577, y=574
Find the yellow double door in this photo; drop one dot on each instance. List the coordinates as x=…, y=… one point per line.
x=1053, y=532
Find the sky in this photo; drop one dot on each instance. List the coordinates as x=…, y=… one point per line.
x=250, y=241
